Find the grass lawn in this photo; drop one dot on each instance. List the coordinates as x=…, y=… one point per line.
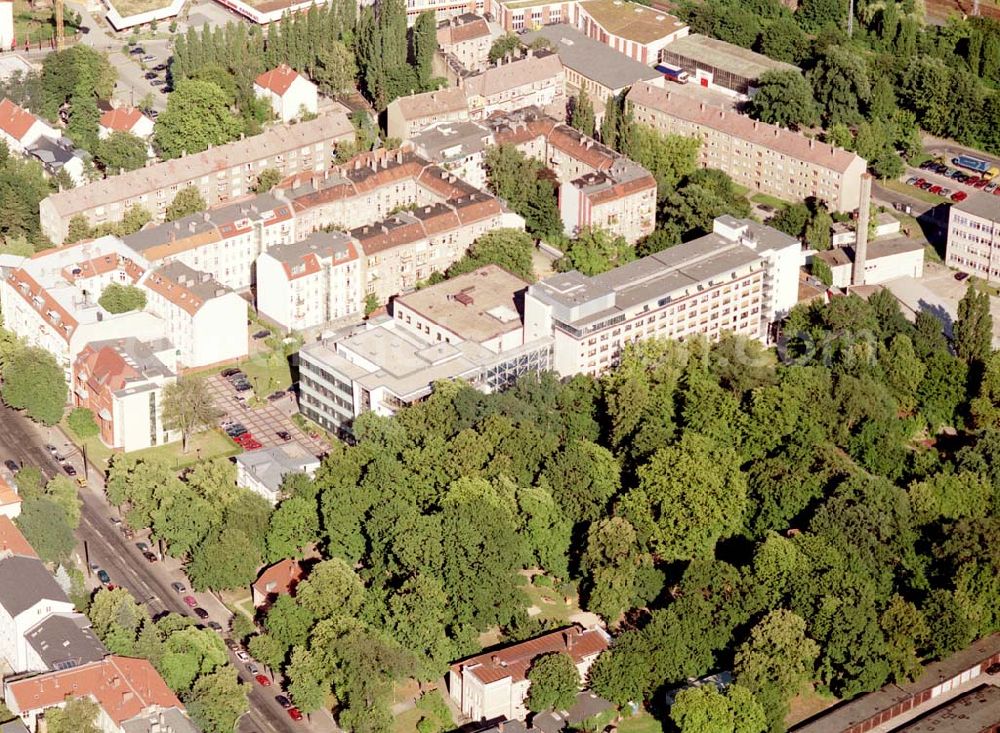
x=551, y=602
x=203, y=446
x=912, y=192
x=406, y=721
x=767, y=200
x=806, y=704
x=268, y=372
x=126, y=8
x=38, y=25
x=641, y=722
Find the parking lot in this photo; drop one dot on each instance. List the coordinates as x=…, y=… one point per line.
x=264, y=422
x=949, y=181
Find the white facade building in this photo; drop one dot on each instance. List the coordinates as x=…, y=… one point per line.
x=19, y=128
x=974, y=236
x=263, y=470
x=290, y=94
x=28, y=595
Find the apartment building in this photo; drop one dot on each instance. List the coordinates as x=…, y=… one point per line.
x=518, y=15
x=127, y=692
x=719, y=65
x=50, y=299
x=738, y=279
x=762, y=157
x=224, y=242
x=536, y=79
x=204, y=319
x=637, y=31
x=467, y=39
x=458, y=148
x=974, y=236
x=312, y=282
x=290, y=94
x=494, y=685
x=598, y=186
x=466, y=328
x=221, y=174
x=28, y=595
x=121, y=382
x=593, y=66
x=407, y=116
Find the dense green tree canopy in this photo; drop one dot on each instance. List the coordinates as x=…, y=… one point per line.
x=34, y=382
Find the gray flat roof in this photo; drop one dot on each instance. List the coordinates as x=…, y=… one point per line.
x=448, y=140
x=726, y=56
x=981, y=204
x=592, y=59
x=972, y=712
x=65, y=640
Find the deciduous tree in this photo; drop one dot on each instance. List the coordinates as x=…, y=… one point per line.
x=188, y=407
x=554, y=683
x=785, y=98
x=34, y=382
x=121, y=151
x=187, y=201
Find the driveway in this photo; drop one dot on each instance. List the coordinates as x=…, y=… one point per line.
x=266, y=421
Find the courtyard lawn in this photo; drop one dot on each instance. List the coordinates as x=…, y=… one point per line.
x=203, y=446
x=268, y=372
x=774, y=202
x=641, y=722
x=552, y=604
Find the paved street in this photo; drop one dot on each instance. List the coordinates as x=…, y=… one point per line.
x=148, y=582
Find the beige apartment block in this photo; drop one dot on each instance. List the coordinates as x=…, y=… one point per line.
x=974, y=236
x=407, y=116
x=467, y=39
x=221, y=174
x=762, y=157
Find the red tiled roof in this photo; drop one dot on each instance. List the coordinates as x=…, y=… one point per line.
x=11, y=538
x=514, y=661
x=37, y=297
x=451, y=34
x=123, y=687
x=105, y=368
x=285, y=575
x=122, y=119
x=102, y=265
x=278, y=80
x=15, y=121
x=620, y=190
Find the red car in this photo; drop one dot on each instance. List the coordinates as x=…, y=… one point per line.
x=252, y=445
x=294, y=714
x=960, y=196
x=981, y=183
x=919, y=182
x=972, y=181
x=191, y=601
x=263, y=681
x=935, y=189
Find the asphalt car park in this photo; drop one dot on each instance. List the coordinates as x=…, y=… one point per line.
x=270, y=424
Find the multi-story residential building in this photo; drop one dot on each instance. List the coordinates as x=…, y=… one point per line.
x=591, y=65
x=465, y=328
x=974, y=236
x=638, y=31
x=495, y=684
x=518, y=15
x=443, y=9
x=263, y=470
x=28, y=595
x=121, y=382
x=62, y=641
x=310, y=283
x=125, y=119
x=467, y=39
x=128, y=692
x=535, y=79
x=19, y=128
x=738, y=279
x=598, y=186
x=457, y=147
x=290, y=94
x=224, y=242
x=58, y=155
x=407, y=116
x=51, y=299
x=720, y=65
x=10, y=502
x=762, y=157
x=204, y=319
x=221, y=174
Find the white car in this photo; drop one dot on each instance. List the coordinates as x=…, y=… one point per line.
x=242, y=655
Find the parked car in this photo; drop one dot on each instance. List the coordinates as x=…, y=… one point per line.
x=972, y=180
x=137, y=51
x=241, y=655
x=191, y=601
x=102, y=575
x=200, y=612
x=81, y=481
x=919, y=182
x=68, y=468
x=51, y=448
x=12, y=466
x=262, y=334
x=946, y=192
x=151, y=75
x=234, y=430
x=150, y=557
x=242, y=386
x=959, y=196
x=149, y=57
x=926, y=185
x=284, y=435
x=283, y=701
x=215, y=626
x=262, y=680
x=981, y=183
x=161, y=67
x=275, y=396
x=230, y=372
x=934, y=189
x=960, y=276
x=991, y=186
x=178, y=587
x=911, y=180
x=251, y=445
x=295, y=714
x=158, y=83
x=252, y=667
x=231, y=644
